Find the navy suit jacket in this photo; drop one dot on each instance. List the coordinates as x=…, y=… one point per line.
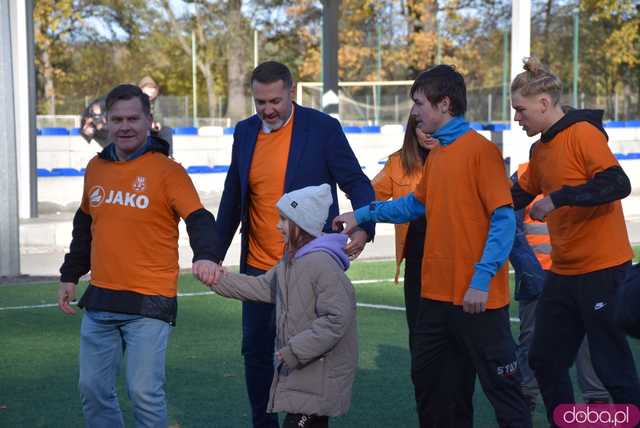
x=319, y=153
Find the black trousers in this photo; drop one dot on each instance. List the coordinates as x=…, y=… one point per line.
x=294, y=420
x=450, y=347
x=569, y=307
x=412, y=286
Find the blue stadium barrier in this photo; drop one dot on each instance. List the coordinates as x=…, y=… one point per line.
x=41, y=172
x=65, y=172
x=199, y=169
x=220, y=168
x=185, y=130
x=352, y=129
x=370, y=129
x=54, y=131
x=627, y=156
x=614, y=124
x=497, y=127
x=374, y=129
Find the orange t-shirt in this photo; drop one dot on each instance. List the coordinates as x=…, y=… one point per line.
x=135, y=207
x=583, y=239
x=266, y=186
x=461, y=186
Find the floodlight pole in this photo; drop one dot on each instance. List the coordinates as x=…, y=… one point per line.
x=194, y=78
x=505, y=75
x=330, y=103
x=377, y=93
x=576, y=52
x=517, y=145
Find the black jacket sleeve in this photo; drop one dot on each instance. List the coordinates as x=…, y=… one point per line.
x=606, y=186
x=201, y=228
x=77, y=261
x=521, y=198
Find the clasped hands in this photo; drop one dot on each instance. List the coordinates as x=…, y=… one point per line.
x=208, y=272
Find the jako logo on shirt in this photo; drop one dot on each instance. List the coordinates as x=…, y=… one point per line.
x=596, y=415
x=117, y=197
x=96, y=196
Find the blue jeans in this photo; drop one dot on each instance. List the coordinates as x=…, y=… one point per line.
x=258, y=341
x=104, y=338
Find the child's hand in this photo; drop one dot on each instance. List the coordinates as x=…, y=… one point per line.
x=207, y=272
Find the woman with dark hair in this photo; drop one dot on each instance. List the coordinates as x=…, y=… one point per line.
x=398, y=178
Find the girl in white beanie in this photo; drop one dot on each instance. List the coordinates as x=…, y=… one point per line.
x=316, y=349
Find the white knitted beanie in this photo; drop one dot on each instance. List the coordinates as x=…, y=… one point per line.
x=308, y=207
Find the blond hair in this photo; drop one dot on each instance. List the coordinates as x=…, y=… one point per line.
x=536, y=79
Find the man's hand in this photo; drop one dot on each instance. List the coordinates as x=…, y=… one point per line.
x=475, y=301
x=357, y=240
x=345, y=222
x=206, y=271
x=66, y=294
x=540, y=209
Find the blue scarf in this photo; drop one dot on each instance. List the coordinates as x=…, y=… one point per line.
x=451, y=131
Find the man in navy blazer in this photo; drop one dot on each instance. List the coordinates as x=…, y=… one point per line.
x=262, y=169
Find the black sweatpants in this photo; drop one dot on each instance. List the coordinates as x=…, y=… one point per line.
x=294, y=420
x=412, y=286
x=569, y=307
x=450, y=347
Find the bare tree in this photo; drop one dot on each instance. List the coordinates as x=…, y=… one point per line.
x=219, y=29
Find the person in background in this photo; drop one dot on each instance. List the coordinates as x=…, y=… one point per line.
x=399, y=177
x=93, y=123
x=152, y=89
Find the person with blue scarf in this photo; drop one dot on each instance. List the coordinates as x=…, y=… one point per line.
x=463, y=325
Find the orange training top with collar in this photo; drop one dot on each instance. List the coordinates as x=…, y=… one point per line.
x=135, y=207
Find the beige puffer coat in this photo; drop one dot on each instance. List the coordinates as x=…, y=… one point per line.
x=316, y=332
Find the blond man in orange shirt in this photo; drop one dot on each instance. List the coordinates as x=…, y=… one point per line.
x=582, y=184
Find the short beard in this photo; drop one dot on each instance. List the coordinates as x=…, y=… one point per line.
x=274, y=127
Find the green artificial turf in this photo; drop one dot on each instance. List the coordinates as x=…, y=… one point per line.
x=205, y=387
